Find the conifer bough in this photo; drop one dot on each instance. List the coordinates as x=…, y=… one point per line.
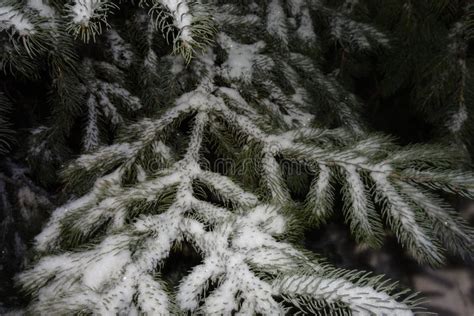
x=155, y=190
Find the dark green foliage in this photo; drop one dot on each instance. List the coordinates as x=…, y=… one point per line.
x=154, y=100
x=80, y=65
x=426, y=73
x=6, y=132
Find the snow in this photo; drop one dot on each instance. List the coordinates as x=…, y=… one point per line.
x=225, y=18
x=11, y=18
x=276, y=143
x=201, y=120
x=108, y=108
x=241, y=58
x=83, y=10
x=121, y=51
x=101, y=97
x=363, y=300
x=273, y=257
x=304, y=63
x=255, y=291
x=228, y=265
x=161, y=149
x=182, y=17
x=28, y=203
x=149, y=189
x=457, y=120
x=177, y=63
x=276, y=20
x=151, y=298
x=163, y=230
x=291, y=112
x=250, y=238
x=358, y=35
x=38, y=130
x=305, y=30
x=245, y=124
x=194, y=284
x=359, y=205
x=151, y=60
x=116, y=152
x=273, y=177
x=296, y=6
x=245, y=230
x=49, y=236
x=113, y=89
x=210, y=212
x=96, y=215
x=119, y=298
x=227, y=188
x=266, y=215
x=437, y=213
x=91, y=136
x=104, y=269
x=321, y=190
x=193, y=100
x=44, y=9
x=222, y=299
x=235, y=96
x=409, y=232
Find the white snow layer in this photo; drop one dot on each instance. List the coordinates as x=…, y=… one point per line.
x=113, y=280
x=458, y=119
x=305, y=30
x=409, y=232
x=91, y=136
x=83, y=11
x=121, y=51
x=241, y=58
x=44, y=9
x=11, y=18
x=182, y=17
x=276, y=21
x=363, y=300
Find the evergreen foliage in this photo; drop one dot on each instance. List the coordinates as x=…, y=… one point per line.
x=6, y=132
x=223, y=130
x=23, y=207
x=427, y=71
x=89, y=86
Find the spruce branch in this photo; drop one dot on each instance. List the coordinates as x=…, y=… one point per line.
x=6, y=132
x=365, y=168
x=250, y=225
x=88, y=17
x=350, y=34
x=191, y=19
x=160, y=187
x=26, y=34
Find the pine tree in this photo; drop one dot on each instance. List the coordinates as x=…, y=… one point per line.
x=6, y=131
x=87, y=82
x=251, y=142
x=426, y=73
x=23, y=207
